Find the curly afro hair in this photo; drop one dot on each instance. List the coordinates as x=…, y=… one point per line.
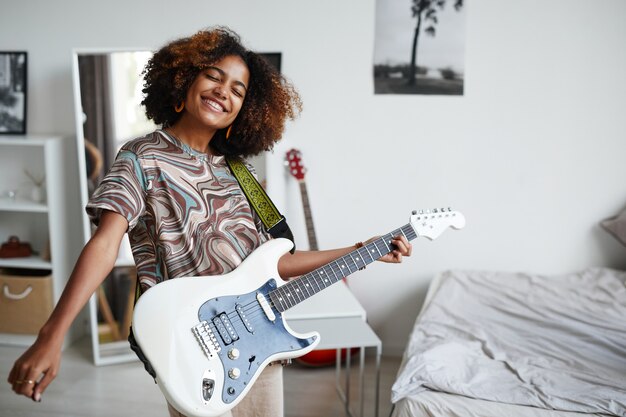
x=269, y=101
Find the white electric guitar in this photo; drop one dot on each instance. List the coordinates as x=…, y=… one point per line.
x=207, y=339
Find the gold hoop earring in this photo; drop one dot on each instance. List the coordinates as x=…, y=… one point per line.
x=180, y=107
x=228, y=131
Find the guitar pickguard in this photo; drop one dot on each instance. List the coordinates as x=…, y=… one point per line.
x=247, y=336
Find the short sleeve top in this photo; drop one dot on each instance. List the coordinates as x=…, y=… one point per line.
x=187, y=215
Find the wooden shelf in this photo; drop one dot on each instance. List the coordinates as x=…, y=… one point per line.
x=22, y=205
x=12, y=339
x=26, y=140
x=32, y=262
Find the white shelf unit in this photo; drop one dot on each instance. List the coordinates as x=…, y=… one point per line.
x=41, y=224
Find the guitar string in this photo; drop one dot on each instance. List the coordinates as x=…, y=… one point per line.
x=253, y=308
x=335, y=269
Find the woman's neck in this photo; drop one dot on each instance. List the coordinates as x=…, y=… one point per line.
x=196, y=137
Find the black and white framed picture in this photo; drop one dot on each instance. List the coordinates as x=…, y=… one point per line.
x=12, y=92
x=420, y=47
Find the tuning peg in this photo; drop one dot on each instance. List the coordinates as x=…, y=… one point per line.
x=414, y=212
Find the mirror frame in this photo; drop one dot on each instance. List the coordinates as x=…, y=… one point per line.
x=110, y=352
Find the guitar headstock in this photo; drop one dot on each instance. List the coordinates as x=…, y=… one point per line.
x=432, y=223
x=293, y=160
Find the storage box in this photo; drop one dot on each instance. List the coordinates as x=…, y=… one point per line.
x=25, y=301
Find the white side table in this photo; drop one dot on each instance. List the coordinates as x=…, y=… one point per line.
x=340, y=320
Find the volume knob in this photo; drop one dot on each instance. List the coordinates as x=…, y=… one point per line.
x=233, y=354
x=234, y=373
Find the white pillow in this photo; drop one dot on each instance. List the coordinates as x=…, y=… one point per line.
x=616, y=226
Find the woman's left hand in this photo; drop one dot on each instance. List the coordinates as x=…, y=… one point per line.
x=403, y=248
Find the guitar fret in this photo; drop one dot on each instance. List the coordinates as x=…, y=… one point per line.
x=303, y=292
x=336, y=271
x=364, y=250
x=341, y=268
x=280, y=301
x=410, y=235
x=318, y=280
x=356, y=261
x=333, y=270
x=307, y=284
x=284, y=298
x=289, y=297
x=387, y=245
x=375, y=247
x=296, y=290
x=307, y=216
x=356, y=267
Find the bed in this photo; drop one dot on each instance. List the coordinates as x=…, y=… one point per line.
x=489, y=344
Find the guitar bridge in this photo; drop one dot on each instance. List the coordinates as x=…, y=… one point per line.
x=207, y=340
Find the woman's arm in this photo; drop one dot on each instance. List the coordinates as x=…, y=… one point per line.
x=302, y=262
x=38, y=366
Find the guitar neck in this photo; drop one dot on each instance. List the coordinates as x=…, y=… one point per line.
x=308, y=218
x=307, y=285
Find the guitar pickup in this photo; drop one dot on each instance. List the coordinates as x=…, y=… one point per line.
x=266, y=307
x=244, y=319
x=225, y=328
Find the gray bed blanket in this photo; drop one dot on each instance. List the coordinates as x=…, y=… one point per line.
x=554, y=342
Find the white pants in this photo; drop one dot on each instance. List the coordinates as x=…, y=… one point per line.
x=265, y=398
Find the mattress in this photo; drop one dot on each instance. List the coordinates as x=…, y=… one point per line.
x=493, y=344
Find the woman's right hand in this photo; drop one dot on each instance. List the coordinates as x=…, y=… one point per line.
x=36, y=368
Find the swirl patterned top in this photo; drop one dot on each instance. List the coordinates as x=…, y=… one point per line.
x=187, y=215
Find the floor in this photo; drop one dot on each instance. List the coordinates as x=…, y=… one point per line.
x=84, y=390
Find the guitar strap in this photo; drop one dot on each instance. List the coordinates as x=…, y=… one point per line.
x=274, y=222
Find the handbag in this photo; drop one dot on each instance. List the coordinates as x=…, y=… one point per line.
x=13, y=248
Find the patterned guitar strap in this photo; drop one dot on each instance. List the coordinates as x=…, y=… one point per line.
x=274, y=222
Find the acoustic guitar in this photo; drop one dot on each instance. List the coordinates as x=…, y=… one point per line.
x=295, y=166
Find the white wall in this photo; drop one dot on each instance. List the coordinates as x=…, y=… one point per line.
x=533, y=153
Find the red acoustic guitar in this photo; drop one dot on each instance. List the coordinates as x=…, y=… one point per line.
x=293, y=160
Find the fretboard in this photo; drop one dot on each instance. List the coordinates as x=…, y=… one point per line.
x=307, y=285
x=310, y=230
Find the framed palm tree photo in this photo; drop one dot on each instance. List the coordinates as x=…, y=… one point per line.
x=420, y=47
x=13, y=92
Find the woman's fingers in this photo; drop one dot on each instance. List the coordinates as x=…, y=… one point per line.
x=403, y=247
x=43, y=384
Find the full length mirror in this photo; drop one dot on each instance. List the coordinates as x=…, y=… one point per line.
x=107, y=93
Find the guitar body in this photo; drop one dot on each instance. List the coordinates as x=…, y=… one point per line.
x=174, y=319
